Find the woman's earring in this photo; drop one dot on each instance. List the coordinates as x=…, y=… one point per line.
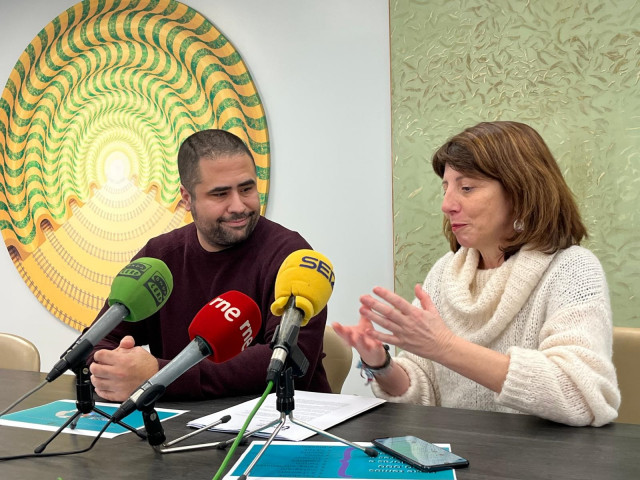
x=518, y=226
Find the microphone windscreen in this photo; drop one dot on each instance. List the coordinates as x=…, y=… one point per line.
x=229, y=323
x=143, y=286
x=308, y=276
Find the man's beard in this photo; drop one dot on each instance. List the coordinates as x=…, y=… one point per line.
x=220, y=235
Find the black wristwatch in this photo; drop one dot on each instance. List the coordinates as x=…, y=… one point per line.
x=369, y=372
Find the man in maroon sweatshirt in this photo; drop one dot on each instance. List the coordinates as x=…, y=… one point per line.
x=229, y=246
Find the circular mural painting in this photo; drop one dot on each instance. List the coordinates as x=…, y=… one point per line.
x=91, y=120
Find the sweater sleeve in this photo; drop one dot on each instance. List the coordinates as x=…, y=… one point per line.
x=570, y=378
x=421, y=389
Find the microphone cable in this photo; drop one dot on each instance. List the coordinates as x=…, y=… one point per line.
x=240, y=435
x=44, y=382
x=58, y=454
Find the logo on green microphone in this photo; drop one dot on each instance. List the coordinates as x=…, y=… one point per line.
x=150, y=275
x=158, y=287
x=134, y=270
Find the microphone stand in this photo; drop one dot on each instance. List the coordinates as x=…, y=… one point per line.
x=155, y=432
x=295, y=364
x=85, y=404
x=157, y=438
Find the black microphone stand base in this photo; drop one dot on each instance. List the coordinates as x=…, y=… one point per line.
x=84, y=404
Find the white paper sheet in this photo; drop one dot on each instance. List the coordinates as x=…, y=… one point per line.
x=321, y=410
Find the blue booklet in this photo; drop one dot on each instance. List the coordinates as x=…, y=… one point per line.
x=53, y=415
x=327, y=460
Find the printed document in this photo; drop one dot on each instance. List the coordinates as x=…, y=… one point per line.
x=320, y=410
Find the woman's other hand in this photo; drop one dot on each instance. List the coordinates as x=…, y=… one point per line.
x=419, y=330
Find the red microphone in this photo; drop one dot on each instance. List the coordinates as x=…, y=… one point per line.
x=228, y=323
x=222, y=329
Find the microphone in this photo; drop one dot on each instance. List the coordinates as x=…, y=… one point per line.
x=222, y=329
x=138, y=291
x=303, y=286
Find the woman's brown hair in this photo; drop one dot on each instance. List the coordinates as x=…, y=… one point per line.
x=515, y=155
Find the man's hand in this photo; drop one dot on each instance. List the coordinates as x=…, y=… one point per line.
x=117, y=373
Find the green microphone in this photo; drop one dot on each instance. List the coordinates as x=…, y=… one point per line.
x=143, y=287
x=138, y=291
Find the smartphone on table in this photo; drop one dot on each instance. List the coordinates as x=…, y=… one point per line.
x=420, y=454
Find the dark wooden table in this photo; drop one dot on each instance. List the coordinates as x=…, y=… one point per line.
x=498, y=446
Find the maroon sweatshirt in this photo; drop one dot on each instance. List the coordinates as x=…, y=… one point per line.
x=199, y=276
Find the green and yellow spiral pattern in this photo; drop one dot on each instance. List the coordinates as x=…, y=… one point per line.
x=91, y=120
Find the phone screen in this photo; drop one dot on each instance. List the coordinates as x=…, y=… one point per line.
x=419, y=453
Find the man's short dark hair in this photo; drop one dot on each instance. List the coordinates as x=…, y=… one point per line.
x=206, y=144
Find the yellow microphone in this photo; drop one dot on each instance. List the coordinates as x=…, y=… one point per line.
x=308, y=277
x=303, y=286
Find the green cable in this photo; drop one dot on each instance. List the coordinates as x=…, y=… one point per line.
x=242, y=430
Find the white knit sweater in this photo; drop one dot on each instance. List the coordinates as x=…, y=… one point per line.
x=549, y=313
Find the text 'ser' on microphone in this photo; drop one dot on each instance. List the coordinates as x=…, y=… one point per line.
x=138, y=291
x=304, y=284
x=222, y=329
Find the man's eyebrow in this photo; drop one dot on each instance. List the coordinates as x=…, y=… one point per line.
x=226, y=188
x=219, y=189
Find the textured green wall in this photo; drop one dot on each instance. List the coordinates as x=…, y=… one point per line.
x=569, y=69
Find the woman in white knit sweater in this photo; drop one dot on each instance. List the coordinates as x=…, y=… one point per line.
x=516, y=318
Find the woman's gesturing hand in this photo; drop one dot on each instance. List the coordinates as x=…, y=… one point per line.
x=360, y=337
x=419, y=330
